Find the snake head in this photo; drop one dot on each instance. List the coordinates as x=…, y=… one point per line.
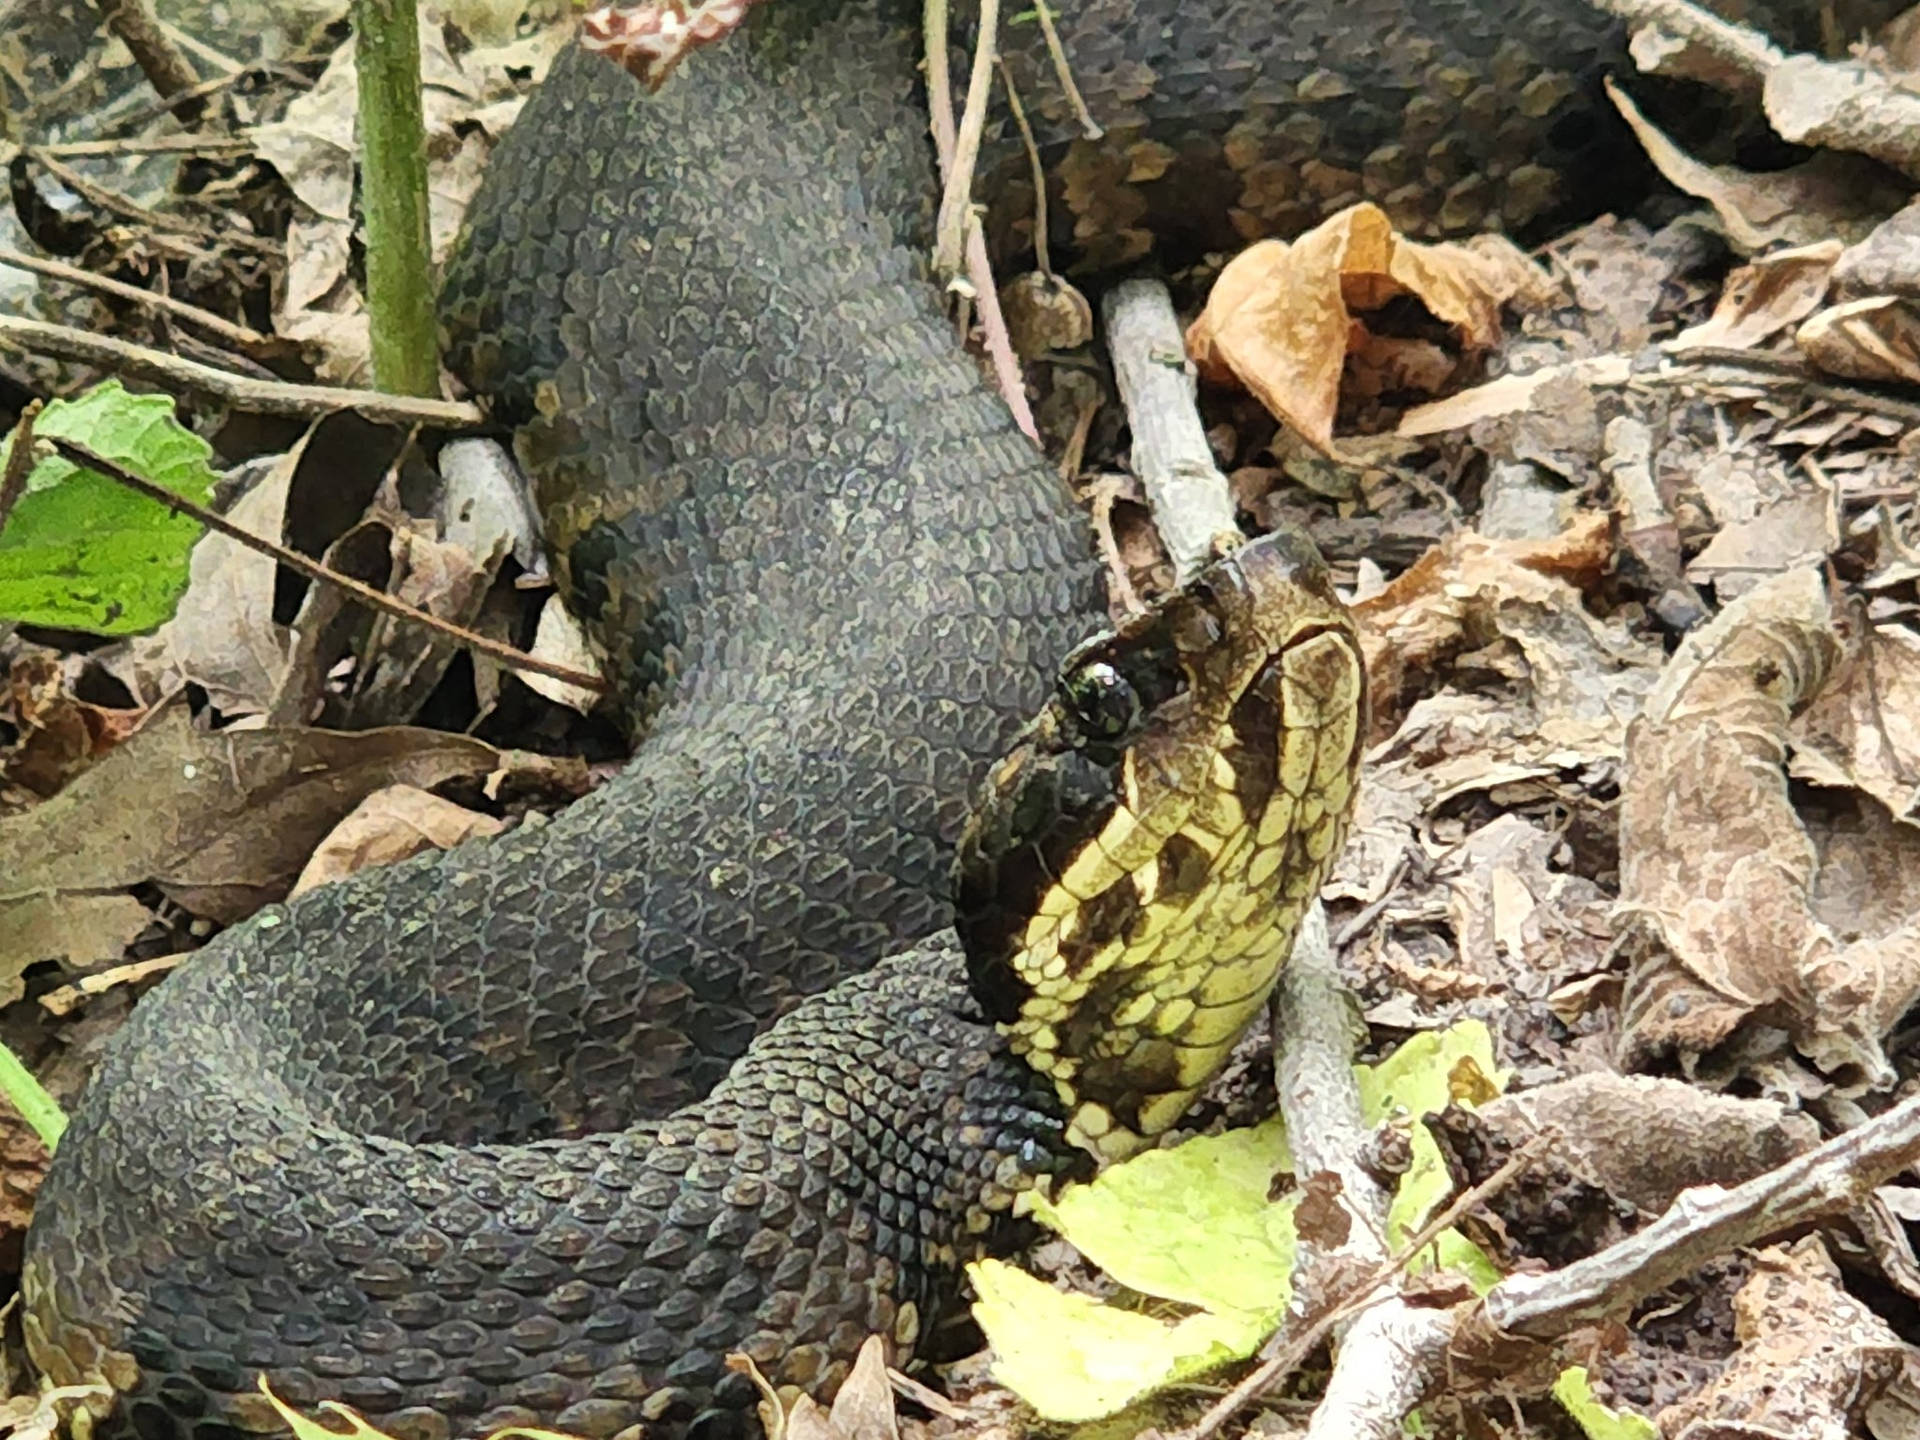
x=1131, y=878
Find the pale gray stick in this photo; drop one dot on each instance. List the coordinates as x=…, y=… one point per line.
x=1191, y=503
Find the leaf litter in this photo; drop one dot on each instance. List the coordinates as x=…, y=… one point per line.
x=1641, y=786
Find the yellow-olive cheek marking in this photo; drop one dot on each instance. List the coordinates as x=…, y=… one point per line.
x=1187, y=967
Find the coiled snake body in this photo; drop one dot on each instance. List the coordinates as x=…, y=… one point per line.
x=398, y=1144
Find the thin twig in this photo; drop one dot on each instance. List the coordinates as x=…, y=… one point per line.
x=207, y=145
x=956, y=199
x=260, y=397
x=1042, y=261
x=1290, y=1357
x=120, y=205
x=993, y=326
x=159, y=59
x=247, y=341
x=505, y=654
x=1057, y=52
x=20, y=459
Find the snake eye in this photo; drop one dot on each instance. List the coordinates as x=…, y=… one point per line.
x=1100, y=700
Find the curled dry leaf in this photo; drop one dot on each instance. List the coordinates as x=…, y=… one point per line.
x=1828, y=195
x=1284, y=317
x=1876, y=339
x=1811, y=1357
x=391, y=824
x=1718, y=874
x=1764, y=297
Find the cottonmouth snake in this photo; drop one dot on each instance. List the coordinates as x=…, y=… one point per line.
x=394, y=1144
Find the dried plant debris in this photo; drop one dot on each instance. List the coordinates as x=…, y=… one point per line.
x=1811, y=1358
x=1285, y=319
x=1718, y=874
x=222, y=823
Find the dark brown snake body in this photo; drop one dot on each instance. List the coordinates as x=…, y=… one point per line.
x=399, y=1143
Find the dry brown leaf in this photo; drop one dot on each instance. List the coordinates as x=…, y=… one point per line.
x=862, y=1408
x=1784, y=535
x=1811, y=1357
x=1717, y=872
x=1283, y=321
x=58, y=734
x=223, y=636
x=1863, y=732
x=390, y=825
x=1511, y=394
x=1876, y=339
x=559, y=640
x=223, y=822
x=1829, y=195
x=1765, y=296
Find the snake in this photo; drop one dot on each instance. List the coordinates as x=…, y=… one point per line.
x=912, y=897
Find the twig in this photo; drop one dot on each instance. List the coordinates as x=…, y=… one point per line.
x=248, y=342
x=159, y=59
x=505, y=654
x=1191, y=502
x=20, y=460
x=196, y=145
x=260, y=397
x=993, y=327
x=1272, y=1371
x=1041, y=259
x=1057, y=52
x=1708, y=1222
x=171, y=224
x=956, y=199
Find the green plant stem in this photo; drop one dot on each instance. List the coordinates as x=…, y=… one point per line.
x=29, y=1097
x=393, y=195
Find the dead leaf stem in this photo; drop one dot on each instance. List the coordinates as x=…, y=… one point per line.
x=248, y=342
x=956, y=199
x=20, y=461
x=1042, y=261
x=260, y=397
x=505, y=654
x=1057, y=52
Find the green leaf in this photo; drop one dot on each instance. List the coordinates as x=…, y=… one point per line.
x=1074, y=1359
x=1193, y=1225
x=1575, y=1392
x=82, y=553
x=1419, y=1079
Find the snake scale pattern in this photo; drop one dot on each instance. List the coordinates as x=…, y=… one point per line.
x=470, y=1140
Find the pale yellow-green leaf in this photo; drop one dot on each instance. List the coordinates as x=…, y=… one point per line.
x=1191, y=1224
x=1074, y=1359
x=1417, y=1079
x=1575, y=1392
x=1194, y=1225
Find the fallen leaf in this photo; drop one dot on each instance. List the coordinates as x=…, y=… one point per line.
x=390, y=825
x=1811, y=1358
x=1876, y=339
x=1285, y=318
x=222, y=822
x=1764, y=297
x=1717, y=872
x=1829, y=195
